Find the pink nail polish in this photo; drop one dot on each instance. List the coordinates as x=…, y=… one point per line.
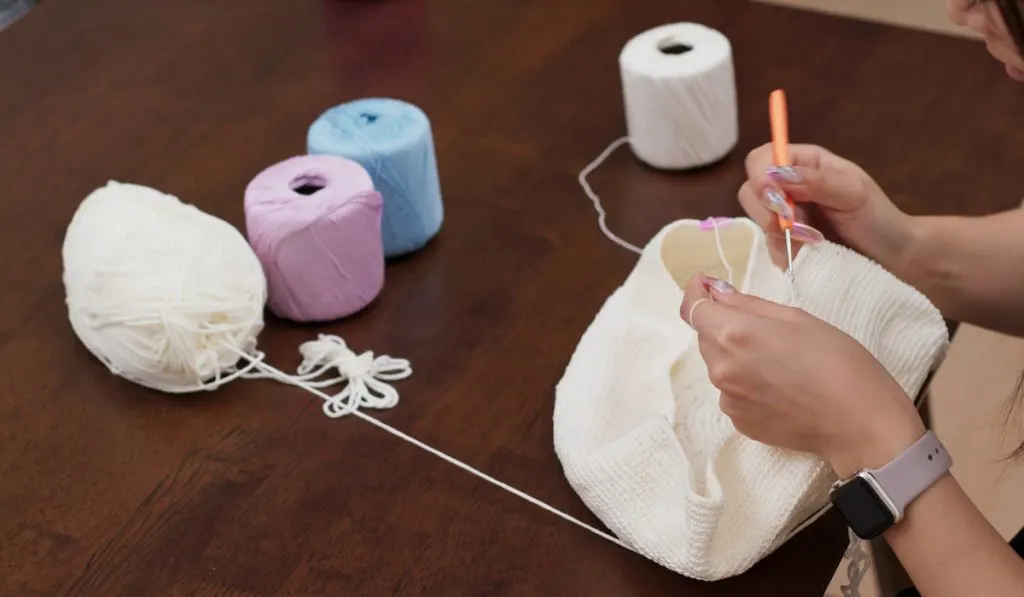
x=775, y=201
x=806, y=234
x=785, y=174
x=719, y=286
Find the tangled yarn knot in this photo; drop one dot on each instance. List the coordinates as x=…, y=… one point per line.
x=366, y=375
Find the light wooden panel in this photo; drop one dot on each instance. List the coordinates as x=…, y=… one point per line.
x=929, y=15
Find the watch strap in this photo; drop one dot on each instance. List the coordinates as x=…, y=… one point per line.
x=913, y=471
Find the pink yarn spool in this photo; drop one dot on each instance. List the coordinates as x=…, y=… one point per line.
x=314, y=223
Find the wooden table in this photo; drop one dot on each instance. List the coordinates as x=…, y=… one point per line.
x=109, y=489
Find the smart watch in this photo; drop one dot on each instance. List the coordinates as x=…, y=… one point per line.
x=873, y=500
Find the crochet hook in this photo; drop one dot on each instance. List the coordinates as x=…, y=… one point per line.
x=779, y=119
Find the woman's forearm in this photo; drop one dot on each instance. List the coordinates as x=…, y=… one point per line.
x=949, y=549
x=943, y=541
x=972, y=268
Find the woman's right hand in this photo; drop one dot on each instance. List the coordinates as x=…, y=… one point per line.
x=831, y=194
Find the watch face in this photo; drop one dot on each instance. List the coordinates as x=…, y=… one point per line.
x=862, y=508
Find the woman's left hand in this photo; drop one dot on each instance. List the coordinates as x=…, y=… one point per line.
x=791, y=380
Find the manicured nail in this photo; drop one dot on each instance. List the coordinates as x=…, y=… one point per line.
x=775, y=201
x=785, y=174
x=719, y=286
x=806, y=234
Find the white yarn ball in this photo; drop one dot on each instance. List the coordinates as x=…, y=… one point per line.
x=165, y=295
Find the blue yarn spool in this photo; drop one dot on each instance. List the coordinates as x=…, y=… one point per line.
x=391, y=139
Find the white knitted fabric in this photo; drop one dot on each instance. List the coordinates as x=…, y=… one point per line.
x=637, y=425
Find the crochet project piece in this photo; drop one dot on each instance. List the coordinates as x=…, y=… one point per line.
x=637, y=425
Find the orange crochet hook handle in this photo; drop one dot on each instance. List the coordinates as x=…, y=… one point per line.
x=779, y=119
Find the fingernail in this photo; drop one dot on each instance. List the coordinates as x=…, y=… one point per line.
x=806, y=234
x=719, y=286
x=775, y=201
x=785, y=174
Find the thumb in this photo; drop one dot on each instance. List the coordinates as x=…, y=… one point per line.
x=834, y=189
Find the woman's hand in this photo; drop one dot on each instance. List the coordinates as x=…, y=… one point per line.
x=832, y=194
x=791, y=380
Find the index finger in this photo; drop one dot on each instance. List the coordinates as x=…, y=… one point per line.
x=709, y=318
x=694, y=292
x=703, y=314
x=759, y=160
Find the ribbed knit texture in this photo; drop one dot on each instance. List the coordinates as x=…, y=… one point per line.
x=637, y=425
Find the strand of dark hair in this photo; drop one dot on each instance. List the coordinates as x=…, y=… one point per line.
x=1011, y=411
x=1014, y=19
x=1012, y=16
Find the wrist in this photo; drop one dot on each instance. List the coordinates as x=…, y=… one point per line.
x=910, y=251
x=876, y=445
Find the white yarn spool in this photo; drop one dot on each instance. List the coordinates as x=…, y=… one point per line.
x=165, y=295
x=679, y=90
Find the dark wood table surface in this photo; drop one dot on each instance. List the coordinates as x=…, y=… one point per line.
x=109, y=489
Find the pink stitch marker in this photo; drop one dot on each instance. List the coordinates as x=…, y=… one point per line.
x=709, y=224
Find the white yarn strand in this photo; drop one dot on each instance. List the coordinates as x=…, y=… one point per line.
x=365, y=374
x=393, y=372
x=172, y=298
x=602, y=216
x=721, y=250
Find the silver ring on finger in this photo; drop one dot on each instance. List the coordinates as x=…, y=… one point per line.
x=693, y=308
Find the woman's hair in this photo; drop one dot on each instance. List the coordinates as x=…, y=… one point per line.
x=1013, y=16
x=1011, y=410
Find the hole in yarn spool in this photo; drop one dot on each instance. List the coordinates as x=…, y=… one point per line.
x=307, y=185
x=368, y=118
x=673, y=46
